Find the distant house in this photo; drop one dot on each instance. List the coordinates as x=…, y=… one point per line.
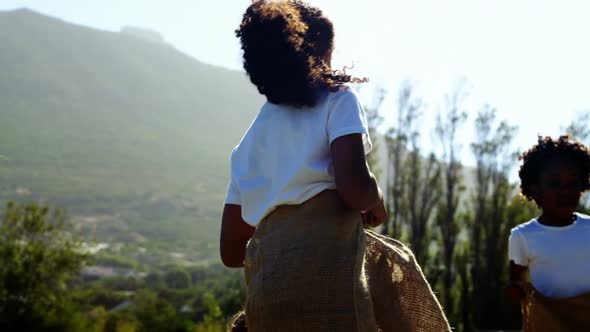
x=101, y=271
x=185, y=309
x=122, y=306
x=97, y=272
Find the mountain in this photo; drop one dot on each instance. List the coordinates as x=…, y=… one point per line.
x=127, y=133
x=145, y=34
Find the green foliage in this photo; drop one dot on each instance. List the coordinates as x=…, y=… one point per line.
x=121, y=283
x=490, y=221
x=213, y=321
x=121, y=322
x=579, y=128
x=178, y=279
x=154, y=280
x=94, y=320
x=216, y=294
x=39, y=258
x=116, y=261
x=157, y=315
x=213, y=311
x=211, y=327
x=374, y=121
x=97, y=295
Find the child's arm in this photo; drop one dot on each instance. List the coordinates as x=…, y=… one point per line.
x=514, y=290
x=356, y=185
x=518, y=256
x=235, y=233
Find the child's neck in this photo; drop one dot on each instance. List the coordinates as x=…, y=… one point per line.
x=556, y=221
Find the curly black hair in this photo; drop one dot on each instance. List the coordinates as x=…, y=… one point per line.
x=546, y=149
x=286, y=49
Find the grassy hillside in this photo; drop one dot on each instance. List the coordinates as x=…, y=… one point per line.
x=131, y=136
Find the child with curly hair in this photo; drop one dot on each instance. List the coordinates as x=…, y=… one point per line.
x=301, y=190
x=553, y=248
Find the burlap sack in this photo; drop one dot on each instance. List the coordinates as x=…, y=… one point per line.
x=401, y=296
x=543, y=314
x=312, y=267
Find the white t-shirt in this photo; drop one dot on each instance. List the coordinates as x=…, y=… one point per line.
x=558, y=258
x=284, y=158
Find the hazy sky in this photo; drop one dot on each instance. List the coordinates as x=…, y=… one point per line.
x=527, y=58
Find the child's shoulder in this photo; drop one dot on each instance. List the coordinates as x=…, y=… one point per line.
x=342, y=92
x=526, y=227
x=583, y=218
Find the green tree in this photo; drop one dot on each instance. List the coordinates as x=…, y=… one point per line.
x=374, y=120
x=421, y=191
x=178, y=279
x=154, y=280
x=490, y=225
x=39, y=258
x=155, y=314
x=124, y=321
x=579, y=129
x=449, y=122
x=96, y=320
x=213, y=311
x=213, y=321
x=422, y=196
x=398, y=136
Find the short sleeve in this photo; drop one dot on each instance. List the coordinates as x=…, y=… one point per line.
x=233, y=193
x=348, y=117
x=517, y=250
